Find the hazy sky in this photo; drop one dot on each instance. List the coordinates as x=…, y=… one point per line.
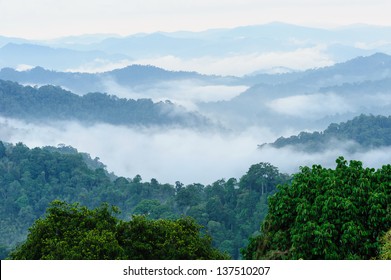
x=42, y=19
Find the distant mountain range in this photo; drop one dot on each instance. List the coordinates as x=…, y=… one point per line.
x=308, y=99
x=313, y=98
x=95, y=51
x=134, y=76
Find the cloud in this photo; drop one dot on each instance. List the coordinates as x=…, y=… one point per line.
x=24, y=67
x=186, y=93
x=239, y=65
x=311, y=105
x=170, y=155
x=165, y=154
x=100, y=65
x=278, y=157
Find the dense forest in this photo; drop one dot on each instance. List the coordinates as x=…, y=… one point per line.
x=58, y=203
x=54, y=103
x=366, y=131
x=78, y=233
x=341, y=213
x=30, y=179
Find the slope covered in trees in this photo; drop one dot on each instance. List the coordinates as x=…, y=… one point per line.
x=53, y=103
x=229, y=210
x=130, y=77
x=340, y=213
x=321, y=213
x=367, y=131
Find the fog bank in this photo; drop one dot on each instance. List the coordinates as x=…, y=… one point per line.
x=170, y=155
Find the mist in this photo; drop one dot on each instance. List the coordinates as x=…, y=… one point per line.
x=243, y=64
x=167, y=155
x=184, y=155
x=318, y=105
x=186, y=93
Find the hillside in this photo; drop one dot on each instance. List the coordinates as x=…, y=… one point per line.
x=132, y=78
x=50, y=103
x=230, y=211
x=365, y=131
x=311, y=99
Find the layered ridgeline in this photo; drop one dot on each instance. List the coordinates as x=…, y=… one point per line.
x=100, y=50
x=54, y=103
x=277, y=101
x=313, y=98
x=134, y=78
x=30, y=179
x=361, y=133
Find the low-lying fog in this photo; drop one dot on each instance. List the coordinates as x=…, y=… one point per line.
x=170, y=155
x=186, y=93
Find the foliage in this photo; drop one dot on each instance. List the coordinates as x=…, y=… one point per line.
x=50, y=102
x=327, y=214
x=367, y=131
x=385, y=251
x=70, y=231
x=143, y=238
x=229, y=210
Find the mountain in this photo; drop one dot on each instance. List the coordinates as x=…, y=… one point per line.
x=365, y=131
x=279, y=101
x=31, y=179
x=6, y=40
x=313, y=98
x=250, y=48
x=50, y=103
x=132, y=77
x=16, y=54
x=273, y=37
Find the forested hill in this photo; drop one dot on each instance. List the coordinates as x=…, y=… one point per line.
x=54, y=103
x=367, y=131
x=30, y=179
x=132, y=77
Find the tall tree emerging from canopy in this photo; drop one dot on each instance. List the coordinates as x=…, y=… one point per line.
x=70, y=231
x=327, y=214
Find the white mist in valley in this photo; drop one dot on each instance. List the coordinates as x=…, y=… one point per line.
x=168, y=155
x=301, y=58
x=187, y=93
x=184, y=155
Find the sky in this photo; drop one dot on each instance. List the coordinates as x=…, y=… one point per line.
x=47, y=19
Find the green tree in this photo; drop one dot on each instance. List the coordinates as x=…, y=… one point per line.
x=385, y=251
x=326, y=214
x=2, y=149
x=71, y=231
x=262, y=178
x=148, y=239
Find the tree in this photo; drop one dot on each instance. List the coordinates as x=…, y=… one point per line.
x=385, y=251
x=71, y=231
x=180, y=239
x=326, y=214
x=262, y=178
x=2, y=149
